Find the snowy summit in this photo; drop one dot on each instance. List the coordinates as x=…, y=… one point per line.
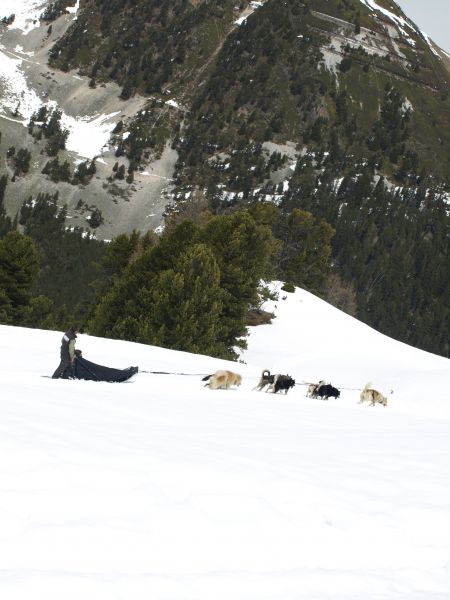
x=162, y=488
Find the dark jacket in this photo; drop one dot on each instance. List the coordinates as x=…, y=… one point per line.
x=68, y=345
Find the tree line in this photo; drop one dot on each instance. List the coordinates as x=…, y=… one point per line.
x=191, y=288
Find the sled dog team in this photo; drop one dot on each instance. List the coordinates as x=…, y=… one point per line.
x=220, y=380
x=224, y=379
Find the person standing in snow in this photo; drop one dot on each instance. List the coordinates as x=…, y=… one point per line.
x=65, y=368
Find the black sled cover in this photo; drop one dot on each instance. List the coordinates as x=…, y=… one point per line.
x=85, y=369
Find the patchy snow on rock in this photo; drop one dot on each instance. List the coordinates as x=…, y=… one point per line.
x=173, y=103
x=399, y=21
x=395, y=35
x=250, y=9
x=337, y=184
x=20, y=50
x=407, y=106
x=372, y=5
x=333, y=53
x=330, y=59
x=288, y=148
x=26, y=13
x=88, y=135
x=73, y=9
x=18, y=100
x=426, y=37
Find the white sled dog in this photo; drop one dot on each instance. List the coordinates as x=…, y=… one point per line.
x=372, y=396
x=222, y=380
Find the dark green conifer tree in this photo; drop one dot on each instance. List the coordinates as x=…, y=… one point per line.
x=191, y=290
x=187, y=305
x=19, y=269
x=122, y=311
x=243, y=250
x=305, y=256
x=5, y=221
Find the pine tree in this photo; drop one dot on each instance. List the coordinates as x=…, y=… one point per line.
x=187, y=305
x=19, y=269
x=243, y=250
x=122, y=311
x=5, y=221
x=305, y=256
x=192, y=289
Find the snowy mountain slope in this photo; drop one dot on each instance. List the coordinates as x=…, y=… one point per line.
x=316, y=341
x=163, y=488
x=373, y=34
x=90, y=115
x=27, y=84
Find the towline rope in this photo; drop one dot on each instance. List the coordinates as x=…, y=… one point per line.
x=352, y=389
x=171, y=373
x=205, y=374
x=337, y=387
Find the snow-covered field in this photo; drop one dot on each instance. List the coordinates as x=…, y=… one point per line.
x=161, y=488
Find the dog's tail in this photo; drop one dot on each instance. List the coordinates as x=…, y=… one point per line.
x=367, y=386
x=265, y=373
x=206, y=378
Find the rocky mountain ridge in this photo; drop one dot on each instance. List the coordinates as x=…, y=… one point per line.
x=88, y=63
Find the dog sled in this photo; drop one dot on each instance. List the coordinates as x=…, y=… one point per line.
x=85, y=369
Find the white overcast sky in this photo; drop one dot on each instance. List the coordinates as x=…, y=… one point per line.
x=432, y=17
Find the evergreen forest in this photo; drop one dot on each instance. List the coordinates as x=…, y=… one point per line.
x=194, y=288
